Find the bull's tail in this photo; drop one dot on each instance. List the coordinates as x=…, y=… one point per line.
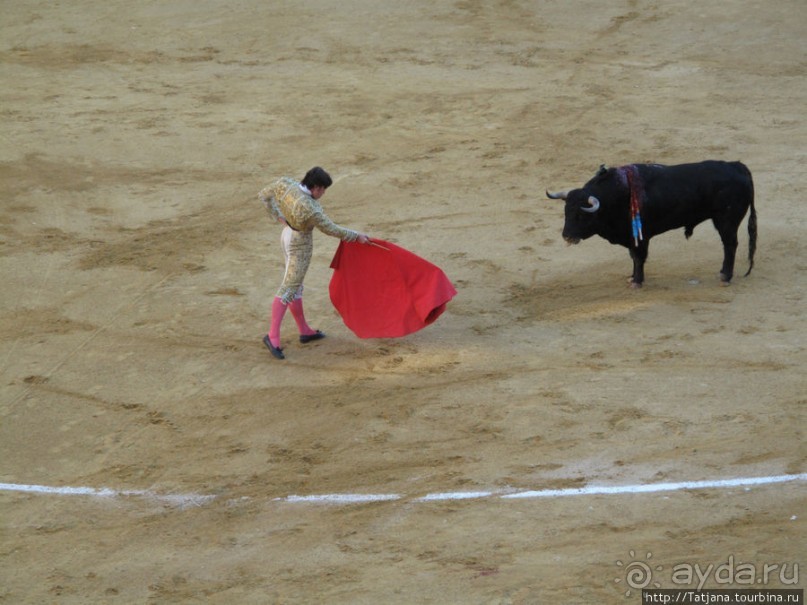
x=752, y=228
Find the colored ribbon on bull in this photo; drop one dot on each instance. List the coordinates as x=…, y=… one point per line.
x=636, y=199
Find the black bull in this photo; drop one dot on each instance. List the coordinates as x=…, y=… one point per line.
x=664, y=198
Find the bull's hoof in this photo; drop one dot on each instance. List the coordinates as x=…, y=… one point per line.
x=634, y=285
x=725, y=281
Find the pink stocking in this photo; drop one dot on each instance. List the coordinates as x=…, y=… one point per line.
x=278, y=311
x=296, y=307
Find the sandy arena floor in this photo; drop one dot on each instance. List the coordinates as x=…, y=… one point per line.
x=138, y=267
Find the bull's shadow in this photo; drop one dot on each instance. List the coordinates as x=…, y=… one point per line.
x=599, y=285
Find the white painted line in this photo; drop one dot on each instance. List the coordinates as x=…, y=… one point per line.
x=592, y=490
x=186, y=500
x=454, y=496
x=342, y=498
x=68, y=491
x=656, y=487
x=178, y=500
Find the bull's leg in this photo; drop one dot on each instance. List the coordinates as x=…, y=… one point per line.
x=729, y=237
x=639, y=256
x=727, y=223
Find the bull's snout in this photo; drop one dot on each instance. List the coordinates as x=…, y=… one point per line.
x=571, y=240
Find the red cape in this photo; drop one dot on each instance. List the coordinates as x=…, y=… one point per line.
x=384, y=291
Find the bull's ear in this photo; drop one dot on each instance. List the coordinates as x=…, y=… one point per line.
x=603, y=169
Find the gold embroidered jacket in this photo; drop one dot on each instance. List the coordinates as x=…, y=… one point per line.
x=285, y=198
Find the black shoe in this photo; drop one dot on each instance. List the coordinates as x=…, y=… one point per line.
x=304, y=338
x=276, y=351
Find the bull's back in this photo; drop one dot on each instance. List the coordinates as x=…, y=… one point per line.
x=685, y=195
x=708, y=171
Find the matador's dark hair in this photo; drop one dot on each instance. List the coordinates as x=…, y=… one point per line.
x=317, y=177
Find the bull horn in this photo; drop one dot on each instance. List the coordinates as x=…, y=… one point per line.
x=560, y=195
x=594, y=205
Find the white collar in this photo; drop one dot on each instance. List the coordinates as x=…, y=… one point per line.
x=305, y=189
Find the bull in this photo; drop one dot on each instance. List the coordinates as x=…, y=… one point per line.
x=629, y=205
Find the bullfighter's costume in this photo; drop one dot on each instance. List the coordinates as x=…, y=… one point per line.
x=290, y=200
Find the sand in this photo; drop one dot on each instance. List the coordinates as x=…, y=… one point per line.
x=138, y=268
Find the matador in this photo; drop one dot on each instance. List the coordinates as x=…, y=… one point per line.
x=296, y=205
